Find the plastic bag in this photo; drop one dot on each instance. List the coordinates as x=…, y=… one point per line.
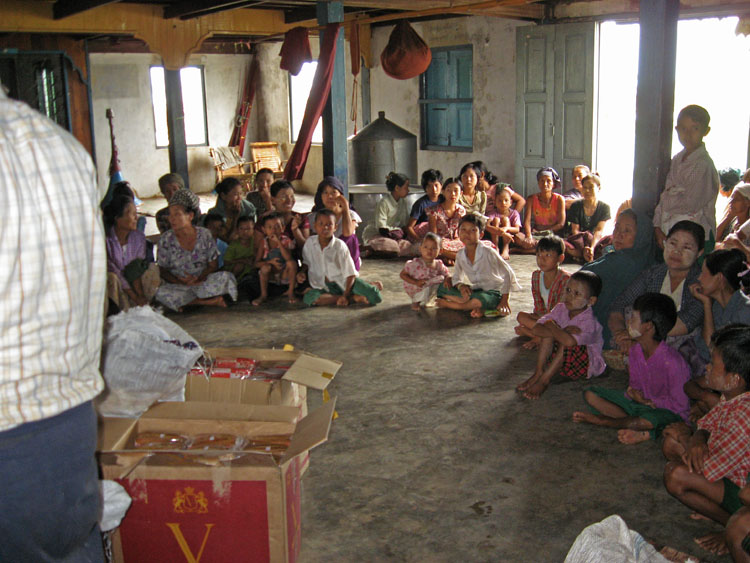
x=115, y=503
x=406, y=54
x=612, y=540
x=145, y=359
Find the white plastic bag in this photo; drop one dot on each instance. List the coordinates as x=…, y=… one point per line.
x=115, y=503
x=612, y=540
x=140, y=366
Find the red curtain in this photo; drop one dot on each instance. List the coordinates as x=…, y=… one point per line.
x=321, y=87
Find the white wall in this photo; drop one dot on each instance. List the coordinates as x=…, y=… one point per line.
x=121, y=82
x=494, y=77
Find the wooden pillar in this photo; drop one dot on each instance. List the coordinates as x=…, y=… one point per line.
x=366, y=101
x=178, y=161
x=654, y=101
x=335, y=159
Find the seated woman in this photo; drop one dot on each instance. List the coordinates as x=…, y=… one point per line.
x=545, y=211
x=680, y=270
x=738, y=212
x=230, y=206
x=386, y=234
x=132, y=277
x=432, y=184
x=580, y=171
x=719, y=292
x=296, y=225
x=633, y=249
x=587, y=217
x=330, y=195
x=260, y=196
x=473, y=198
x=188, y=260
x=168, y=185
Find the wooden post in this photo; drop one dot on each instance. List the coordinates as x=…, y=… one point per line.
x=178, y=161
x=654, y=101
x=335, y=159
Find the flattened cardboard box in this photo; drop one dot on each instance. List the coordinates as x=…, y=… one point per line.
x=306, y=371
x=212, y=506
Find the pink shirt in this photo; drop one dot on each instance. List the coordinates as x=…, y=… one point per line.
x=417, y=269
x=661, y=378
x=590, y=336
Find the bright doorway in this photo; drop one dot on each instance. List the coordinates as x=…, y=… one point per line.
x=712, y=63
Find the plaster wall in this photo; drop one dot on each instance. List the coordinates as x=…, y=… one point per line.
x=121, y=82
x=494, y=77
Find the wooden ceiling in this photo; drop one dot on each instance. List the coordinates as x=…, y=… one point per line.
x=303, y=10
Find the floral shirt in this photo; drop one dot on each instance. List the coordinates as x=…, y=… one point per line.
x=181, y=262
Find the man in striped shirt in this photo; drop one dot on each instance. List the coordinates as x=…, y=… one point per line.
x=52, y=284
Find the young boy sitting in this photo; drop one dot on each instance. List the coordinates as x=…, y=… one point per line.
x=708, y=469
x=274, y=258
x=215, y=223
x=503, y=223
x=654, y=397
x=547, y=286
x=240, y=257
x=483, y=279
x=692, y=181
x=571, y=337
x=330, y=268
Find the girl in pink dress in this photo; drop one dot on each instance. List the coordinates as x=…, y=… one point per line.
x=423, y=276
x=443, y=220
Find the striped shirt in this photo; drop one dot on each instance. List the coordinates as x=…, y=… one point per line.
x=54, y=265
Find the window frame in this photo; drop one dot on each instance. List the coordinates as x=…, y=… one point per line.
x=453, y=103
x=202, y=69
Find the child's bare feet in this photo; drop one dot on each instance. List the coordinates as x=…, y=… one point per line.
x=415, y=307
x=530, y=345
x=505, y=255
x=477, y=313
x=360, y=299
x=291, y=298
x=378, y=284
x=257, y=301
x=698, y=516
x=627, y=436
x=215, y=302
x=583, y=416
x=536, y=390
x=713, y=543
x=528, y=383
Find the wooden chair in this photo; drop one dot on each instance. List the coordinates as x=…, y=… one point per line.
x=267, y=155
x=228, y=162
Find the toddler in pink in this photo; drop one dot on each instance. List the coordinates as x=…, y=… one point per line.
x=422, y=276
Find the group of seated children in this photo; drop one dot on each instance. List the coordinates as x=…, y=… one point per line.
x=707, y=445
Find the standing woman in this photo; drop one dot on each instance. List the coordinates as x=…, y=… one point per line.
x=188, y=260
x=330, y=195
x=132, y=276
x=231, y=206
x=387, y=233
x=260, y=196
x=472, y=199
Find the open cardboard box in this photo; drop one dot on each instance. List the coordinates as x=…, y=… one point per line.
x=306, y=371
x=210, y=506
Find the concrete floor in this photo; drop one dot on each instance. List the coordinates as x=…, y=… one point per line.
x=434, y=457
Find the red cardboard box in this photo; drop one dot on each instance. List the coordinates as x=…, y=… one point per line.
x=210, y=506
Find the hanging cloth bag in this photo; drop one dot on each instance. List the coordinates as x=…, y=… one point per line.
x=406, y=54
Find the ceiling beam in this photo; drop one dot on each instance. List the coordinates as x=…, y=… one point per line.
x=189, y=9
x=64, y=8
